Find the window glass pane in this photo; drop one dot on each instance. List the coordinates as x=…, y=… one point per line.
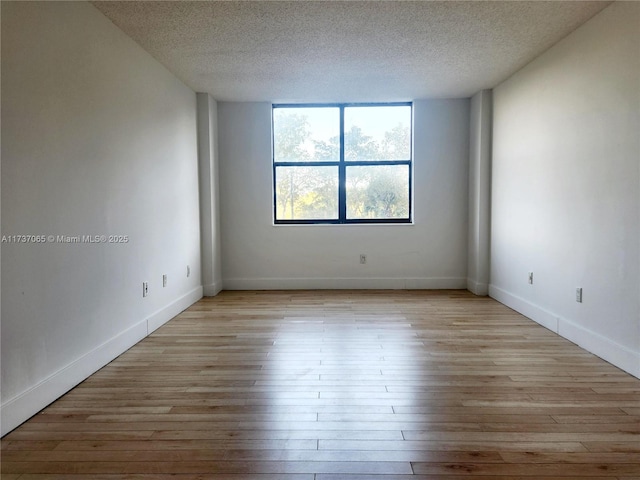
x=377, y=133
x=306, y=193
x=377, y=191
x=306, y=134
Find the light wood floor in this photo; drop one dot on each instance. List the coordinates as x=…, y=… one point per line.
x=341, y=385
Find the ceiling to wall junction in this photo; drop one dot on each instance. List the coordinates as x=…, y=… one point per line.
x=345, y=50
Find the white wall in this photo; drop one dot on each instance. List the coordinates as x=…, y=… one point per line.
x=97, y=138
x=430, y=254
x=208, y=166
x=566, y=187
x=478, y=265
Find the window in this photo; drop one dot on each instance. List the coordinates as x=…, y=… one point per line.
x=347, y=163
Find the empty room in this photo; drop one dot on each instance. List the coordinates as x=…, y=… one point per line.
x=320, y=240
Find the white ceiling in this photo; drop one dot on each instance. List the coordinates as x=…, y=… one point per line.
x=325, y=51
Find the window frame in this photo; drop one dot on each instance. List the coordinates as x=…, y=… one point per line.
x=342, y=165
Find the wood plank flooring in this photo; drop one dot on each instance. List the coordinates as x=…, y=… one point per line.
x=331, y=385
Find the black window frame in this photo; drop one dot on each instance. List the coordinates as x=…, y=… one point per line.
x=342, y=168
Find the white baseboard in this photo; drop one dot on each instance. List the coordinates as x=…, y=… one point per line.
x=530, y=310
x=480, y=289
x=593, y=342
x=345, y=283
x=212, y=289
x=23, y=406
x=614, y=353
x=162, y=316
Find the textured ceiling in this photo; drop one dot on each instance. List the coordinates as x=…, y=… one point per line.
x=345, y=51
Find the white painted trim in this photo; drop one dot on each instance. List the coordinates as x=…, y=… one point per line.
x=530, y=310
x=162, y=316
x=23, y=406
x=212, y=290
x=480, y=289
x=605, y=348
x=344, y=283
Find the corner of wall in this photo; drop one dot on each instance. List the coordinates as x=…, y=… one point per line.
x=212, y=289
x=479, y=192
x=479, y=289
x=208, y=173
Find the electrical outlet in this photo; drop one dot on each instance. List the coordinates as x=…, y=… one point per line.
x=188, y=271
x=363, y=258
x=579, y=294
x=164, y=280
x=145, y=289
x=531, y=278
